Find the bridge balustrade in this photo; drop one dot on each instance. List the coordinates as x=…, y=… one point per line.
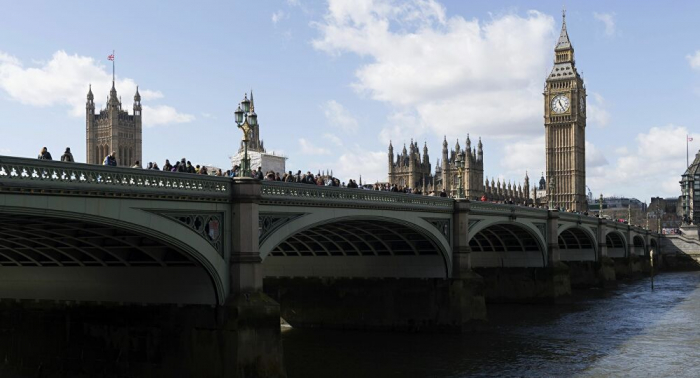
x=22, y=174
x=327, y=196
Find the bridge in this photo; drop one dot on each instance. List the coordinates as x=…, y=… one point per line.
x=75, y=233
x=95, y=233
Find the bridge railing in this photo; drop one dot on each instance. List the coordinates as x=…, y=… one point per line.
x=22, y=174
x=498, y=208
x=291, y=193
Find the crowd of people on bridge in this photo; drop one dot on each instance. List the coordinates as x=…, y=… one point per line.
x=308, y=178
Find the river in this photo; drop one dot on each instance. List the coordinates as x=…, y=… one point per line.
x=628, y=331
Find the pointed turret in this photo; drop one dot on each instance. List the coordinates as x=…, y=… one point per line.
x=90, y=96
x=252, y=103
x=563, y=43
x=469, y=143
x=137, y=96
x=480, y=151
x=457, y=148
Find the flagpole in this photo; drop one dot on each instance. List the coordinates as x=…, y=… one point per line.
x=687, y=163
x=112, y=66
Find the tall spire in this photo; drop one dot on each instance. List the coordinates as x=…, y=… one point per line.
x=563, y=43
x=252, y=103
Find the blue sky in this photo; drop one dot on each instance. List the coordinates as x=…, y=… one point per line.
x=335, y=81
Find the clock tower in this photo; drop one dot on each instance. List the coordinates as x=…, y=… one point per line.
x=565, y=129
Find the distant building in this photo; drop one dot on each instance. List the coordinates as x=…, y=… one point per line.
x=473, y=174
x=565, y=128
x=113, y=130
x=256, y=150
x=409, y=169
x=690, y=191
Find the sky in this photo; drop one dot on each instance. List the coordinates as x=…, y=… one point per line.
x=335, y=81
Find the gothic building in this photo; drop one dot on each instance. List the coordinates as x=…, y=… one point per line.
x=473, y=174
x=565, y=129
x=518, y=194
x=113, y=130
x=409, y=169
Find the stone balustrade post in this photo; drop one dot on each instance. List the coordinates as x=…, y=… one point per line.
x=246, y=264
x=461, y=252
x=553, y=255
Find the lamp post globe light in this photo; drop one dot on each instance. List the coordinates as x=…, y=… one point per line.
x=460, y=169
x=246, y=120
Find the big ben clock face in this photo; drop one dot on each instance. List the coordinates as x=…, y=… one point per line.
x=560, y=104
x=582, y=105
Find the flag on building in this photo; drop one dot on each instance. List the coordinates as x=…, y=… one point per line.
x=690, y=139
x=111, y=57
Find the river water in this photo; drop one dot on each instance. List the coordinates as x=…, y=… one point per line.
x=628, y=331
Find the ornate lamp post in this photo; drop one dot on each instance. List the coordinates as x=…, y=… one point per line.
x=246, y=120
x=629, y=214
x=460, y=169
x=552, y=186
x=600, y=204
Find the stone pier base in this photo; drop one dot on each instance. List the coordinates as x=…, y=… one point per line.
x=526, y=285
x=45, y=339
x=606, y=271
x=628, y=267
x=406, y=304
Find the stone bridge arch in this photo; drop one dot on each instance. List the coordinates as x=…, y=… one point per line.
x=112, y=250
x=355, y=243
x=615, y=244
x=639, y=247
x=577, y=243
x=497, y=243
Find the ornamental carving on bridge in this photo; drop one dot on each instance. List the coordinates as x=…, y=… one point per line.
x=270, y=222
x=207, y=225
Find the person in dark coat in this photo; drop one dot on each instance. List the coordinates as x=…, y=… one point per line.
x=110, y=160
x=67, y=156
x=44, y=154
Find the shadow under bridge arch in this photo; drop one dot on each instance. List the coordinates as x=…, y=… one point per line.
x=615, y=244
x=86, y=258
x=576, y=244
x=506, y=245
x=357, y=247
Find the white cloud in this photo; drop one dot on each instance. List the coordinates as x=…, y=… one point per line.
x=278, y=16
x=63, y=81
x=339, y=117
x=596, y=112
x=693, y=60
x=5, y=151
x=524, y=155
x=356, y=162
x=653, y=167
x=208, y=115
x=308, y=148
x=333, y=139
x=402, y=125
x=163, y=114
x=457, y=75
x=608, y=19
